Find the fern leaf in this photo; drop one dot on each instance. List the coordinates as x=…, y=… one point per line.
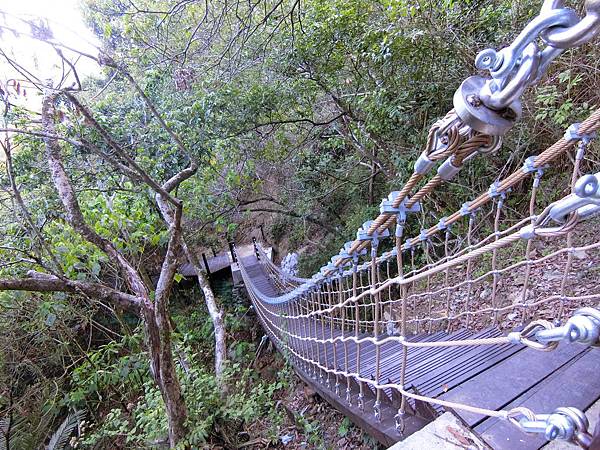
x=61, y=436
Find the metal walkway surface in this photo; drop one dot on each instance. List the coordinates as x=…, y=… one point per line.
x=492, y=376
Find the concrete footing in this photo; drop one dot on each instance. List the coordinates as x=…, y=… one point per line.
x=444, y=433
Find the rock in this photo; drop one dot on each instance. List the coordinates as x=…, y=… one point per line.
x=309, y=392
x=286, y=439
x=580, y=254
x=289, y=264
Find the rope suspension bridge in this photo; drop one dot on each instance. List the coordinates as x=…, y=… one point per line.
x=396, y=328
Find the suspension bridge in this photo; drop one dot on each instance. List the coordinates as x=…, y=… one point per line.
x=486, y=313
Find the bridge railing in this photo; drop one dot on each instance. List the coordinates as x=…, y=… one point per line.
x=501, y=279
x=483, y=267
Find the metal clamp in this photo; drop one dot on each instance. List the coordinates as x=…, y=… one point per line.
x=573, y=134
x=363, y=234
x=585, y=200
x=387, y=207
x=464, y=209
x=377, y=411
x=399, y=422
x=346, y=254
x=494, y=192
x=529, y=166
x=441, y=225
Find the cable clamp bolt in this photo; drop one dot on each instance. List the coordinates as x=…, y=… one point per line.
x=423, y=236
x=529, y=166
x=573, y=134
x=493, y=191
x=363, y=233
x=387, y=207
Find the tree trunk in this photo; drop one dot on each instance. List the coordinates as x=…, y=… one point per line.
x=215, y=313
x=155, y=316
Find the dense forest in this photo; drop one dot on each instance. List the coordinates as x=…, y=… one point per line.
x=205, y=123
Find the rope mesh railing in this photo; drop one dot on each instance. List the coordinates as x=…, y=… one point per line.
x=324, y=325
x=359, y=321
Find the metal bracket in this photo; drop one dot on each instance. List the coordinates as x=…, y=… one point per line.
x=529, y=166
x=585, y=200
x=387, y=207
x=573, y=134
x=464, y=209
x=363, y=233
x=441, y=225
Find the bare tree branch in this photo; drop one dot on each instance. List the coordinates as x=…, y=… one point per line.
x=55, y=284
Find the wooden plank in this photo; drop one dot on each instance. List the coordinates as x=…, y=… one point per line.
x=575, y=384
x=511, y=378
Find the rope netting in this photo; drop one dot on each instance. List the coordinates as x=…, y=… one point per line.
x=484, y=267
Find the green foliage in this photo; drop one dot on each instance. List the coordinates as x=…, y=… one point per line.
x=249, y=398
x=109, y=373
x=344, y=427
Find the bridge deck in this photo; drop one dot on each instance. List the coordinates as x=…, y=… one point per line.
x=215, y=263
x=495, y=377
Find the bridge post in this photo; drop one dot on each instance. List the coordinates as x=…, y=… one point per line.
x=232, y=251
x=205, y=263
x=255, y=244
